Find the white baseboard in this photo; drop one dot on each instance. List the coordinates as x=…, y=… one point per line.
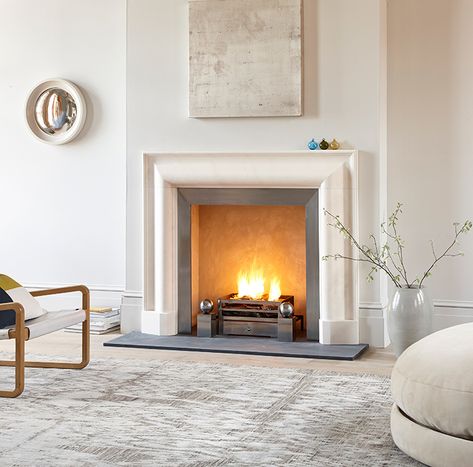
x=373, y=327
x=131, y=311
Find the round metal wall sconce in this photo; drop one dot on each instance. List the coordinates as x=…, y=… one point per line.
x=56, y=111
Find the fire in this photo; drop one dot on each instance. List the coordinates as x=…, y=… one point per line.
x=251, y=285
x=274, y=290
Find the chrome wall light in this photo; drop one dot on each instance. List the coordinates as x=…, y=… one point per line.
x=56, y=111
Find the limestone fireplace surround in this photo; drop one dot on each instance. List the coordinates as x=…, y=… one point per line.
x=333, y=173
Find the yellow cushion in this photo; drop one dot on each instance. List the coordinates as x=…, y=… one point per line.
x=12, y=291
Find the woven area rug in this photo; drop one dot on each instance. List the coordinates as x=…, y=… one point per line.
x=170, y=413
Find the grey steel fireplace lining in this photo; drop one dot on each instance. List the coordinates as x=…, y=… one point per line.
x=256, y=197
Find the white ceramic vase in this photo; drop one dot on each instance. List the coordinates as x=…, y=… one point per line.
x=409, y=317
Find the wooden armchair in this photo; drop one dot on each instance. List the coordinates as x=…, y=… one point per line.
x=50, y=322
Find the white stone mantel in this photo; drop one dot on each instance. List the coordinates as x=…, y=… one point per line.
x=334, y=173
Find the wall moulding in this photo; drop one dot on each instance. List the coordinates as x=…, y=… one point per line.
x=101, y=295
x=333, y=173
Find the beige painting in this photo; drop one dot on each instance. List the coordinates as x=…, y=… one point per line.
x=245, y=58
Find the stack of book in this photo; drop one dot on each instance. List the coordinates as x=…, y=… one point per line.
x=102, y=321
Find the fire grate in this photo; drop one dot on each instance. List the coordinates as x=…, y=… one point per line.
x=250, y=317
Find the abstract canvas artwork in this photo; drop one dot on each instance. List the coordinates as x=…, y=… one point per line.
x=245, y=58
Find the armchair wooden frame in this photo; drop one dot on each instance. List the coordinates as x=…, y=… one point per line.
x=21, y=334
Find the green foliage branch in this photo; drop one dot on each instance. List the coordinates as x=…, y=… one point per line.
x=389, y=256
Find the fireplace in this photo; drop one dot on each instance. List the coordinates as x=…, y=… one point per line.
x=251, y=247
x=176, y=185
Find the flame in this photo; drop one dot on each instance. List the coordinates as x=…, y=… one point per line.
x=274, y=290
x=251, y=285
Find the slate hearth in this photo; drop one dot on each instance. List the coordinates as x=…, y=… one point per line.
x=240, y=345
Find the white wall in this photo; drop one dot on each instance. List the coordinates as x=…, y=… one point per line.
x=342, y=66
x=430, y=162
x=73, y=227
x=63, y=207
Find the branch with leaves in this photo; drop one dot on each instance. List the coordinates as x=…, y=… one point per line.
x=389, y=257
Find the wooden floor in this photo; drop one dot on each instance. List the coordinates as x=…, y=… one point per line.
x=373, y=361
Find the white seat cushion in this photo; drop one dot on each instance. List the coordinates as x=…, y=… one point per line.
x=432, y=381
x=429, y=446
x=49, y=322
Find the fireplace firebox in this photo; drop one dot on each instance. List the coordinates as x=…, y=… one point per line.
x=250, y=312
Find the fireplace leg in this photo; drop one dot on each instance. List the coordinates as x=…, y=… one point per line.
x=207, y=325
x=286, y=329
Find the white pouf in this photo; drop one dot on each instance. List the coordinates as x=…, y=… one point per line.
x=432, y=387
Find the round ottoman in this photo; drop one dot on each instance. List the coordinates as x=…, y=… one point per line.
x=432, y=387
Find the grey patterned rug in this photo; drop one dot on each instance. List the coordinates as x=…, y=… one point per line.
x=140, y=413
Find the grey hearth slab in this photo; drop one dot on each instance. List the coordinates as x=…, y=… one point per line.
x=239, y=345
